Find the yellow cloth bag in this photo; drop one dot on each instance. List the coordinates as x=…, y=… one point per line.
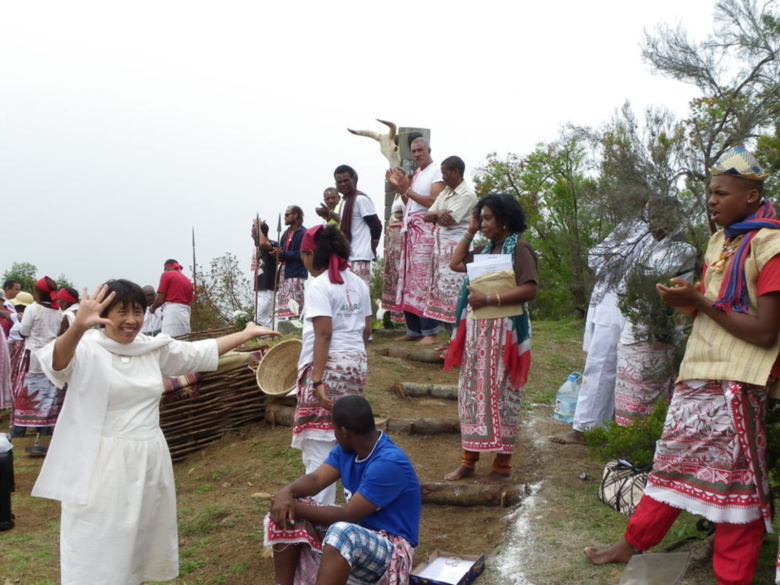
x=494, y=283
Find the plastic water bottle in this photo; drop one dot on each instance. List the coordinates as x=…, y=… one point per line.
x=566, y=399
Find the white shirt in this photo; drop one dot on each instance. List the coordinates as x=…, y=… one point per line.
x=459, y=201
x=422, y=186
x=360, y=245
x=152, y=322
x=39, y=326
x=346, y=304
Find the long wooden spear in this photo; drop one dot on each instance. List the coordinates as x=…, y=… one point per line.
x=276, y=272
x=194, y=281
x=257, y=258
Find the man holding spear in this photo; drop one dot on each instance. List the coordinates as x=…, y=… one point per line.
x=264, y=267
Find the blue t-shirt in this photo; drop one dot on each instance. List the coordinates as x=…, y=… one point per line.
x=387, y=479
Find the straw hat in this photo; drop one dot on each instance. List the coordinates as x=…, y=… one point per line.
x=277, y=373
x=739, y=162
x=23, y=298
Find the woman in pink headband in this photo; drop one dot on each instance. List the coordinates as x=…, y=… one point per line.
x=69, y=304
x=37, y=402
x=336, y=325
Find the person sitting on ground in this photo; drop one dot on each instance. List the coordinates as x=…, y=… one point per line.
x=372, y=537
x=711, y=458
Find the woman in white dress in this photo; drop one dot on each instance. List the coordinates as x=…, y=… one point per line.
x=108, y=462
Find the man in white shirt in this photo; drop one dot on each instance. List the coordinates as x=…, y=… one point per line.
x=359, y=222
x=450, y=214
x=417, y=242
x=152, y=324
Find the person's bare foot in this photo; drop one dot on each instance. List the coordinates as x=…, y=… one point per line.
x=428, y=340
x=493, y=478
x=620, y=552
x=406, y=338
x=571, y=438
x=443, y=347
x=461, y=472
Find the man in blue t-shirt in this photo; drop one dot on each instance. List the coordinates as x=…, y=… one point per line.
x=375, y=533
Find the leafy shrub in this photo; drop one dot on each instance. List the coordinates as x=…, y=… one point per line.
x=634, y=443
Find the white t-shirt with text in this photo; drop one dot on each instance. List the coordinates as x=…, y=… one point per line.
x=346, y=304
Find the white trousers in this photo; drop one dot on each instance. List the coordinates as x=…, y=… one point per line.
x=176, y=319
x=265, y=299
x=596, y=401
x=314, y=453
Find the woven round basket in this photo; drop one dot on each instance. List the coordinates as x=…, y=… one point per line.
x=277, y=372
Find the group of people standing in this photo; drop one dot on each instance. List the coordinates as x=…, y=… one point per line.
x=279, y=265
x=31, y=321
x=374, y=534
x=430, y=214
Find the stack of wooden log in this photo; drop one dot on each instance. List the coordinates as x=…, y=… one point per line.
x=222, y=401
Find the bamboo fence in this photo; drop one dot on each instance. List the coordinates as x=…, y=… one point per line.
x=193, y=417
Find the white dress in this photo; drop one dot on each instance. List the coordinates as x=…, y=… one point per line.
x=126, y=533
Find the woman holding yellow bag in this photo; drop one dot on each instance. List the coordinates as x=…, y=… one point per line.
x=494, y=353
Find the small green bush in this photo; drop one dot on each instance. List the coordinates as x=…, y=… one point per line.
x=634, y=443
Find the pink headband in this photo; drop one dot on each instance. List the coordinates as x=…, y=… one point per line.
x=44, y=287
x=335, y=264
x=64, y=295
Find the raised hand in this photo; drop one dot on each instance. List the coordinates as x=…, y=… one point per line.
x=474, y=223
x=91, y=307
x=398, y=180
x=681, y=294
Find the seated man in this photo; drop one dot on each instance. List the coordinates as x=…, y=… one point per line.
x=372, y=538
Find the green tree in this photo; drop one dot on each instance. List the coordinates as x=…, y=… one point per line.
x=63, y=281
x=556, y=195
x=24, y=272
x=737, y=70
x=221, y=292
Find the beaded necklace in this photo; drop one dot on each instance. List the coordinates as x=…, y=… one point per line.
x=727, y=251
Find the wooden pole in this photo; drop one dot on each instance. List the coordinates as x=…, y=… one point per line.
x=276, y=273
x=257, y=258
x=422, y=426
x=459, y=494
x=194, y=280
x=415, y=354
x=410, y=389
x=279, y=414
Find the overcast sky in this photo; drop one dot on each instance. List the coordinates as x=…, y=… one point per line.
x=125, y=125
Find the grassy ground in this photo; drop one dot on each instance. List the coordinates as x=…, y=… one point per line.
x=222, y=492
